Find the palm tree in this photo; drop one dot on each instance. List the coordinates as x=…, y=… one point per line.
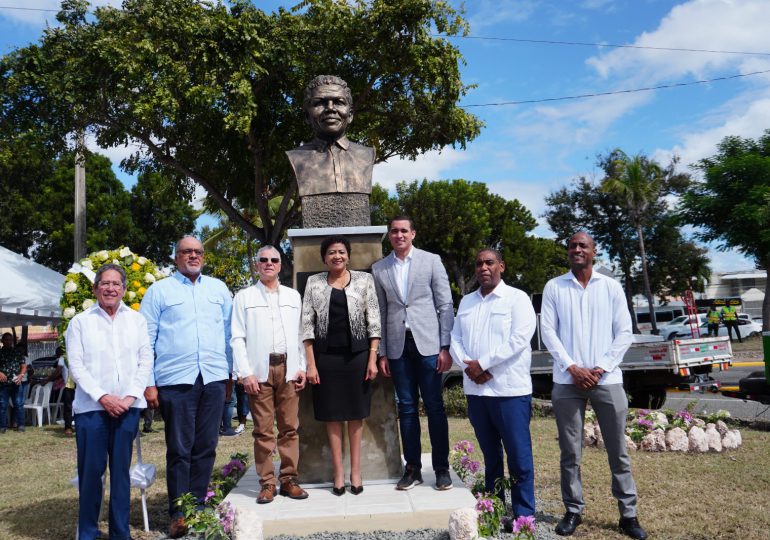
x=637, y=182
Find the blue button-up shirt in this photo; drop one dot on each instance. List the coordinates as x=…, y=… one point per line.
x=189, y=327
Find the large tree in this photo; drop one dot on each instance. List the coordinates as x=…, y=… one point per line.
x=731, y=204
x=456, y=218
x=212, y=92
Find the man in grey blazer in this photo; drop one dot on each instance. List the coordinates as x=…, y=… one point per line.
x=417, y=316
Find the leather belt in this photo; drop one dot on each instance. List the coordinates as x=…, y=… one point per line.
x=276, y=359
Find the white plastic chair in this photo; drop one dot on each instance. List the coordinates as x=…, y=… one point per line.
x=40, y=402
x=142, y=476
x=57, y=407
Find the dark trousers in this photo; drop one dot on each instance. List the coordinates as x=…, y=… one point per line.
x=733, y=325
x=713, y=329
x=101, y=437
x=67, y=397
x=242, y=403
x=415, y=376
x=192, y=413
x=14, y=393
x=503, y=423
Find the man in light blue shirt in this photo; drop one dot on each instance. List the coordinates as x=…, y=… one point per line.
x=188, y=319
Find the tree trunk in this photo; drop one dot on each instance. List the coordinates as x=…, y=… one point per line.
x=628, y=289
x=645, y=277
x=250, y=255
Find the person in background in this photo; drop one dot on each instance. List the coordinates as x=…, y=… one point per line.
x=713, y=317
x=13, y=370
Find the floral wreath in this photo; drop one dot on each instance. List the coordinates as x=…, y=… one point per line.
x=77, y=294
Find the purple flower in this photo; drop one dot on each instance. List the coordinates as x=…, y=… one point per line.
x=226, y=516
x=463, y=446
x=209, y=495
x=685, y=416
x=524, y=524
x=643, y=422
x=233, y=465
x=485, y=505
x=642, y=412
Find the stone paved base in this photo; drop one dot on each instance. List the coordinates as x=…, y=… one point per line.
x=380, y=506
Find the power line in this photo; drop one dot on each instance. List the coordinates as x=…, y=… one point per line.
x=30, y=9
x=609, y=45
x=630, y=91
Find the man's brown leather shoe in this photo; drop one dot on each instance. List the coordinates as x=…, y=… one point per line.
x=267, y=494
x=177, y=528
x=291, y=489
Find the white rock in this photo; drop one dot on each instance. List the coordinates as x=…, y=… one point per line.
x=598, y=435
x=463, y=524
x=654, y=441
x=722, y=428
x=630, y=444
x=713, y=438
x=697, y=441
x=699, y=422
x=676, y=440
x=589, y=437
x=659, y=418
x=247, y=525
x=731, y=440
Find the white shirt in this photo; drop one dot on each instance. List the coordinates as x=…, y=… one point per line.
x=274, y=322
x=108, y=356
x=401, y=268
x=496, y=330
x=588, y=327
x=252, y=331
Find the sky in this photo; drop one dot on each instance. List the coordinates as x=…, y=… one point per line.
x=529, y=150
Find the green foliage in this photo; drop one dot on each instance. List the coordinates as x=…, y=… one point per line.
x=455, y=402
x=37, y=204
x=227, y=256
x=457, y=218
x=212, y=91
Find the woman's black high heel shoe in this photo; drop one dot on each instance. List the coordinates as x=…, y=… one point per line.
x=354, y=489
x=339, y=491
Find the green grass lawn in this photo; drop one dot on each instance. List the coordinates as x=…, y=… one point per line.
x=713, y=496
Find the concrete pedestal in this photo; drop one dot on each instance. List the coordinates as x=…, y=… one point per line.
x=381, y=446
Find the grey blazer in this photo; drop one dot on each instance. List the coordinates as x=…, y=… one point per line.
x=428, y=308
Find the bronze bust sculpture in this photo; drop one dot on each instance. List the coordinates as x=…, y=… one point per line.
x=334, y=175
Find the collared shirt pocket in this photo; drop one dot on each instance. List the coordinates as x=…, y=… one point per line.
x=216, y=303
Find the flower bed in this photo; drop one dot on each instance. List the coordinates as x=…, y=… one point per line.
x=488, y=516
x=215, y=520
x=667, y=431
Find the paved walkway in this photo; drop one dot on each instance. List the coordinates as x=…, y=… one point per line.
x=379, y=507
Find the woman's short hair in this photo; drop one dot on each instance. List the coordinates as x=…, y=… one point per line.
x=335, y=239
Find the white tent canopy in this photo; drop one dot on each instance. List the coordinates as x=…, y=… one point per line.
x=29, y=292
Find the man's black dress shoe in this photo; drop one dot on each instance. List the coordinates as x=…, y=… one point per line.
x=630, y=527
x=568, y=524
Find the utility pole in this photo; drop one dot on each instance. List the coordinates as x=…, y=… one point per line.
x=80, y=199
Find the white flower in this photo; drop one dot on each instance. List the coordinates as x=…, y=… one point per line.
x=115, y=261
x=131, y=295
x=142, y=260
x=103, y=255
x=149, y=278
x=86, y=263
x=158, y=274
x=125, y=252
x=69, y=313
x=70, y=286
x=87, y=303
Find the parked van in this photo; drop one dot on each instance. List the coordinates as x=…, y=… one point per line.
x=663, y=315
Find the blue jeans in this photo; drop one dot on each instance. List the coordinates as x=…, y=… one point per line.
x=16, y=393
x=99, y=437
x=415, y=375
x=503, y=422
x=192, y=414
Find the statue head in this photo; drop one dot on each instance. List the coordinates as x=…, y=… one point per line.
x=328, y=105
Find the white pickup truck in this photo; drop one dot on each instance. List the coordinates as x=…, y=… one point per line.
x=650, y=366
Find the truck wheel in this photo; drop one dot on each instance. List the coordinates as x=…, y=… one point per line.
x=647, y=399
x=657, y=398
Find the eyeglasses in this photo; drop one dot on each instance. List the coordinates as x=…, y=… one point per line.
x=110, y=284
x=188, y=252
x=274, y=260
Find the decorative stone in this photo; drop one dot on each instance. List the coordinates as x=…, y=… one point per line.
x=335, y=210
x=659, y=418
x=713, y=438
x=247, y=525
x=654, y=441
x=722, y=428
x=697, y=441
x=676, y=440
x=589, y=437
x=731, y=440
x=699, y=422
x=630, y=444
x=463, y=524
x=598, y=435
